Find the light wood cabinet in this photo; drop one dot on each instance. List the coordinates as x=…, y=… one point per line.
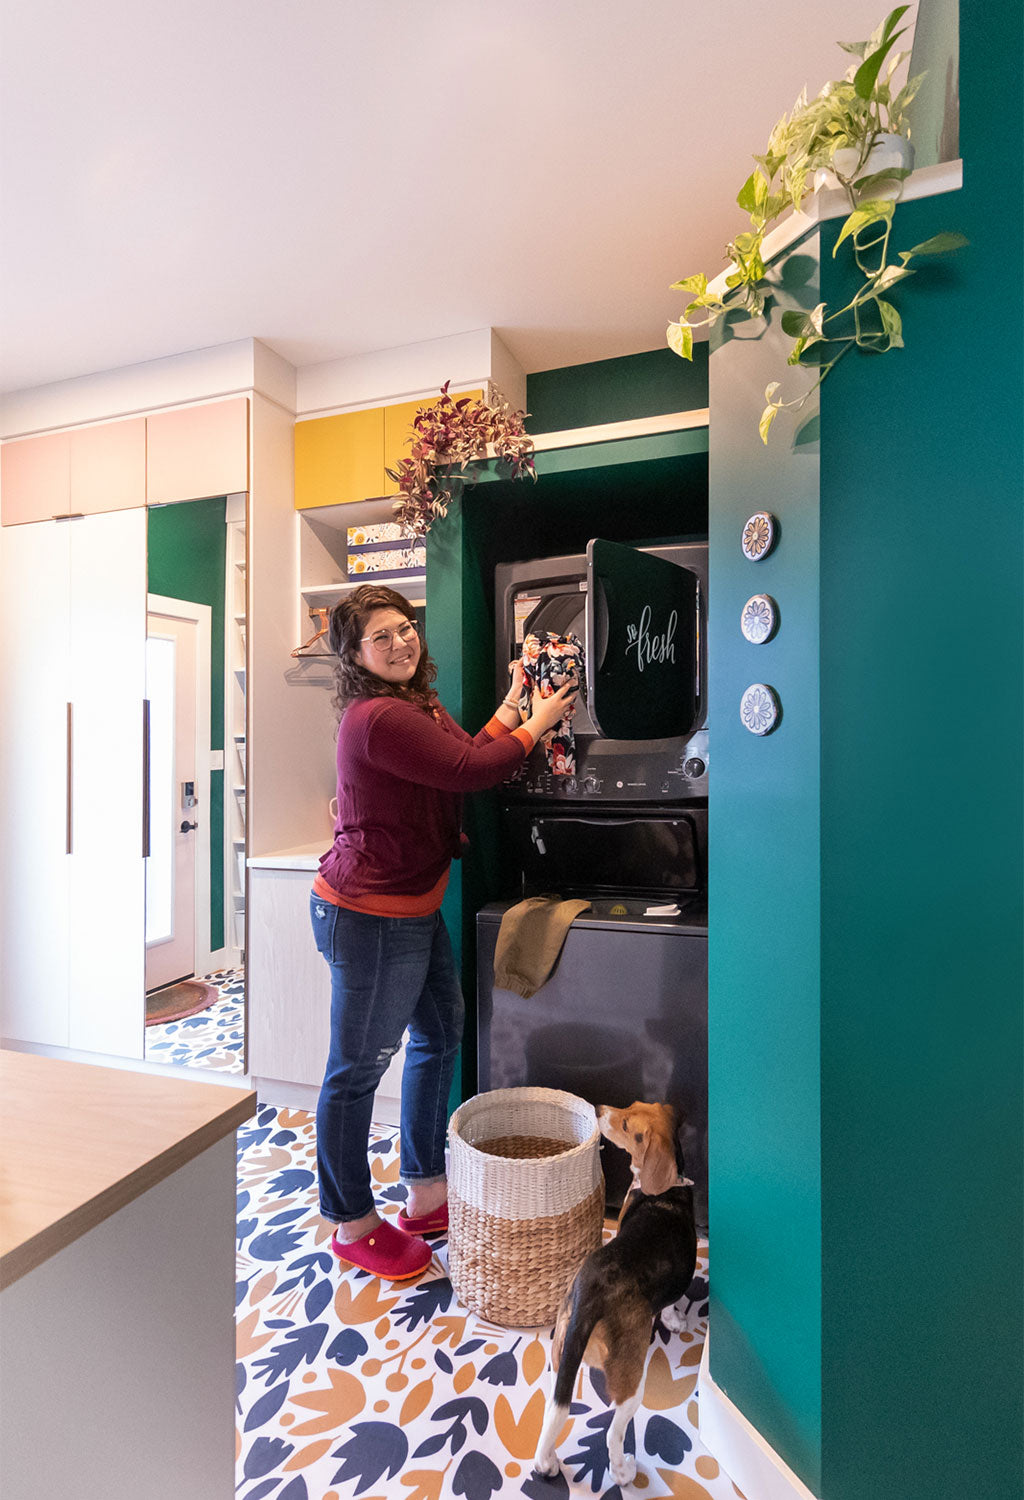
x=198, y=451
x=72, y=878
x=289, y=987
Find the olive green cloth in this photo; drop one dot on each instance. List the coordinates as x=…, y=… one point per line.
x=529, y=941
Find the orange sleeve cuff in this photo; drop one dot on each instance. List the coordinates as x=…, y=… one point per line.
x=495, y=728
x=525, y=738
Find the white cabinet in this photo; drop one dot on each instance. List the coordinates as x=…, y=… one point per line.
x=290, y=991
x=72, y=877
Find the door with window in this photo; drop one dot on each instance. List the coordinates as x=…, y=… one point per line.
x=175, y=816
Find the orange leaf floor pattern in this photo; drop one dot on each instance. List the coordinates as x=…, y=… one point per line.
x=348, y=1386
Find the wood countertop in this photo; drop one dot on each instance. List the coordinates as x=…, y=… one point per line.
x=79, y=1142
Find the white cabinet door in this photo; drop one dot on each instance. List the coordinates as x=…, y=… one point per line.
x=72, y=683
x=108, y=686
x=34, y=782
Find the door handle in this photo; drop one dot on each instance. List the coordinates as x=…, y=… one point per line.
x=145, y=778
x=68, y=795
x=186, y=827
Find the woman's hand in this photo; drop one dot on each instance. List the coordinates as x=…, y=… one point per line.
x=545, y=713
x=515, y=687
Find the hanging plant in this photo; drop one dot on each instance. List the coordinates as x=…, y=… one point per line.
x=450, y=439
x=853, y=135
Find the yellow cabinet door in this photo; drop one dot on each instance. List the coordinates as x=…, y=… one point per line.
x=398, y=422
x=339, y=459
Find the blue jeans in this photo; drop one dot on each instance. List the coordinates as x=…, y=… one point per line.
x=388, y=974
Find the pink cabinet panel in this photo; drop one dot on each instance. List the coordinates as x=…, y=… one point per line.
x=35, y=478
x=108, y=466
x=198, y=451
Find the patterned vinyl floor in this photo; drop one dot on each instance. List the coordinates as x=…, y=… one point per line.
x=350, y=1386
x=212, y=1038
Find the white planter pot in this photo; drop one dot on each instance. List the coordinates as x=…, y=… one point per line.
x=889, y=153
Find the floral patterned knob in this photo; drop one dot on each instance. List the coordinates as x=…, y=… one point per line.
x=759, y=708
x=759, y=535
x=758, y=618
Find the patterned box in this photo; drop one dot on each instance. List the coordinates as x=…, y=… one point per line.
x=386, y=562
x=382, y=531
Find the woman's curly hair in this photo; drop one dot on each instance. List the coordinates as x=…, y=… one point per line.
x=345, y=628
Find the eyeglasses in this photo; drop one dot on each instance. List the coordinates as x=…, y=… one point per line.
x=381, y=640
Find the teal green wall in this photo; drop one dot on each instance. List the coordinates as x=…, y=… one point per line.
x=615, y=390
x=922, y=891
x=763, y=918
x=866, y=1084
x=629, y=491
x=187, y=553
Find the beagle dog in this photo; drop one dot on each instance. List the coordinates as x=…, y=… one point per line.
x=607, y=1314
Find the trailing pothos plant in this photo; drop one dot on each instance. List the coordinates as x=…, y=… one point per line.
x=835, y=138
x=450, y=439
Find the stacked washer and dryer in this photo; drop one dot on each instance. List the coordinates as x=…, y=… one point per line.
x=624, y=1014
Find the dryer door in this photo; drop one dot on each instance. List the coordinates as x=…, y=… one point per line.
x=642, y=640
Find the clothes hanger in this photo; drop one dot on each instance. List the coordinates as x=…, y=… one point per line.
x=322, y=615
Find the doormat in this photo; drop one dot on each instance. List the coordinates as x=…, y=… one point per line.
x=179, y=1000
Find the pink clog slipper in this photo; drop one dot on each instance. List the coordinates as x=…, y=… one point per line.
x=432, y=1223
x=385, y=1252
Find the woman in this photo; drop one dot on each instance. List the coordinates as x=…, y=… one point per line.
x=403, y=764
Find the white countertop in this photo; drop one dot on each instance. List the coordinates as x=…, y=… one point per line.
x=304, y=857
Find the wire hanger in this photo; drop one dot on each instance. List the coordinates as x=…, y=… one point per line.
x=320, y=615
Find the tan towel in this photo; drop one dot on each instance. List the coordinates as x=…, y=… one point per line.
x=530, y=940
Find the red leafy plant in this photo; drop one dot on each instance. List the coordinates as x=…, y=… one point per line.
x=449, y=439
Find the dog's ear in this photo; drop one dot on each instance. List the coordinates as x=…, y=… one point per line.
x=658, y=1171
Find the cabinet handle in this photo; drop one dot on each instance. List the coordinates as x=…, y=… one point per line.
x=69, y=810
x=145, y=778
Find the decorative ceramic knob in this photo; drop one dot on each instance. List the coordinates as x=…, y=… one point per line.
x=759, y=535
x=758, y=618
x=759, y=708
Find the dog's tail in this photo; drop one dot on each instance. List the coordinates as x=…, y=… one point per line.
x=581, y=1324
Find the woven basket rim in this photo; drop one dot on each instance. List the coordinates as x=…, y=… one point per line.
x=529, y=1095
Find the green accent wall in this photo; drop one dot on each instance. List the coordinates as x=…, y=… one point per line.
x=763, y=909
x=581, y=493
x=866, y=968
x=616, y=390
x=187, y=556
x=923, y=891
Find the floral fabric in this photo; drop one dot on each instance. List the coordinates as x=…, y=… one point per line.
x=549, y=662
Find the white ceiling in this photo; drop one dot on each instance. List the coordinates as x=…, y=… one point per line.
x=336, y=177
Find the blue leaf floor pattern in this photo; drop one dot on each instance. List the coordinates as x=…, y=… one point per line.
x=212, y=1038
x=349, y=1386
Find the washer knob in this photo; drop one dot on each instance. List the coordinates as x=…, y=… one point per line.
x=694, y=767
x=590, y=783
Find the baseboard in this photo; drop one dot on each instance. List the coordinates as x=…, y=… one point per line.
x=753, y=1466
x=286, y=1095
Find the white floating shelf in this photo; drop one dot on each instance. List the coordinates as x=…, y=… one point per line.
x=318, y=591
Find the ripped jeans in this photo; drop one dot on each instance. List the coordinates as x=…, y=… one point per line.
x=388, y=974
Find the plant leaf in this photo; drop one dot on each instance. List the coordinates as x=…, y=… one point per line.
x=697, y=283
x=866, y=76
x=897, y=174
x=889, y=275
x=874, y=211
x=767, y=418
x=680, y=340
x=892, y=323
x=939, y=244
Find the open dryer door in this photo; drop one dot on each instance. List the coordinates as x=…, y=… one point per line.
x=642, y=644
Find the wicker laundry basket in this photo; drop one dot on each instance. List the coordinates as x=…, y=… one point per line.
x=525, y=1201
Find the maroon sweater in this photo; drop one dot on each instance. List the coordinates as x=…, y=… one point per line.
x=401, y=775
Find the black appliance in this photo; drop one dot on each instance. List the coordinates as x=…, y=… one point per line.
x=624, y=1014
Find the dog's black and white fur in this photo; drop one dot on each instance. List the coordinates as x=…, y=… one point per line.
x=607, y=1314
